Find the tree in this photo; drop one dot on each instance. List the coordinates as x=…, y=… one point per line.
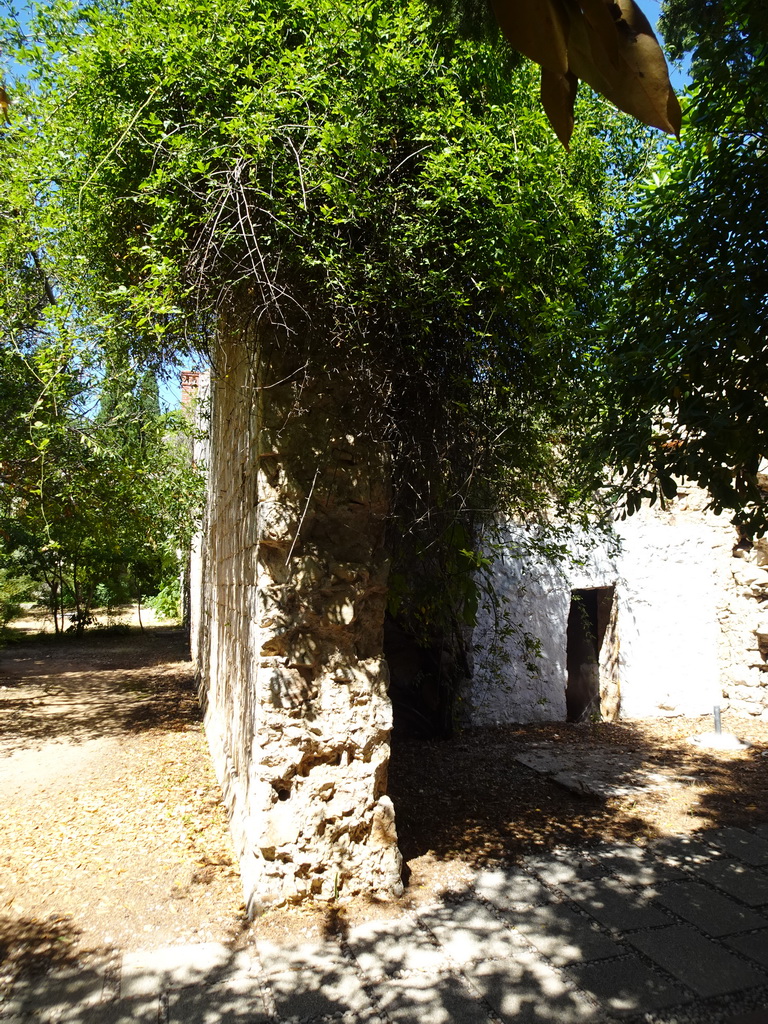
x=394, y=267
x=382, y=215
x=87, y=501
x=691, y=321
x=90, y=509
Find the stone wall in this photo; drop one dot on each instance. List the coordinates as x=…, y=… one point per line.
x=289, y=644
x=688, y=619
x=197, y=402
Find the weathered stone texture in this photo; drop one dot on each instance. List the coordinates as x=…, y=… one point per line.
x=293, y=677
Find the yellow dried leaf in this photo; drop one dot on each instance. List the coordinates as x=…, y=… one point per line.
x=600, y=15
x=607, y=43
x=640, y=84
x=558, y=94
x=537, y=29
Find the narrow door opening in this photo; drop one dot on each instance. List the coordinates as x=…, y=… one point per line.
x=591, y=613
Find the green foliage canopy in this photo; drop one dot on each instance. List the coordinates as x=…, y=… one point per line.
x=691, y=321
x=88, y=499
x=361, y=183
x=362, y=179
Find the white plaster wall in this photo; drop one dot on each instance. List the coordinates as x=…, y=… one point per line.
x=667, y=621
x=667, y=597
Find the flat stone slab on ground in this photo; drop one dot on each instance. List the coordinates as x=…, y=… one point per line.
x=312, y=980
x=748, y=884
x=685, y=852
x=627, y=987
x=601, y=773
x=616, y=906
x=149, y=972
x=123, y=1011
x=523, y=990
x=636, y=865
x=756, y=1017
x=565, y=866
x=701, y=964
x=751, y=849
x=509, y=887
x=56, y=991
x=392, y=947
x=562, y=935
x=470, y=931
x=436, y=1000
x=713, y=913
x=277, y=959
x=754, y=945
x=223, y=1004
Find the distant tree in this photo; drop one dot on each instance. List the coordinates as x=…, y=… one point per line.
x=96, y=489
x=690, y=332
x=88, y=509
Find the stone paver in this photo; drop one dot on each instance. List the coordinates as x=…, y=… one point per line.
x=685, y=852
x=303, y=995
x=615, y=905
x=562, y=868
x=312, y=980
x=751, y=849
x=696, y=961
x=748, y=884
x=277, y=959
x=424, y=1000
x=388, y=948
x=602, y=774
x=470, y=931
x=510, y=887
x=206, y=963
x=636, y=865
x=566, y=938
x=52, y=994
x=124, y=1011
x=231, y=1003
x=562, y=935
x=628, y=986
x=523, y=990
x=714, y=914
x=756, y=1017
x=754, y=945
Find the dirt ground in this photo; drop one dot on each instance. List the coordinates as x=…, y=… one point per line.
x=114, y=836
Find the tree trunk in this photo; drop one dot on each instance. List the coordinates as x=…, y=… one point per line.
x=293, y=678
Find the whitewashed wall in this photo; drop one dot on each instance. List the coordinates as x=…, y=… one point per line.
x=669, y=571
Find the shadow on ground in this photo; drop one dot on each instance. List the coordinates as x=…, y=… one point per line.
x=470, y=798
x=77, y=689
x=509, y=948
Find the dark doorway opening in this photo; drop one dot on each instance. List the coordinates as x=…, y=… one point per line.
x=591, y=620
x=423, y=680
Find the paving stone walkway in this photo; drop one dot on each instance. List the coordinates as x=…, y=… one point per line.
x=672, y=934
x=602, y=773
